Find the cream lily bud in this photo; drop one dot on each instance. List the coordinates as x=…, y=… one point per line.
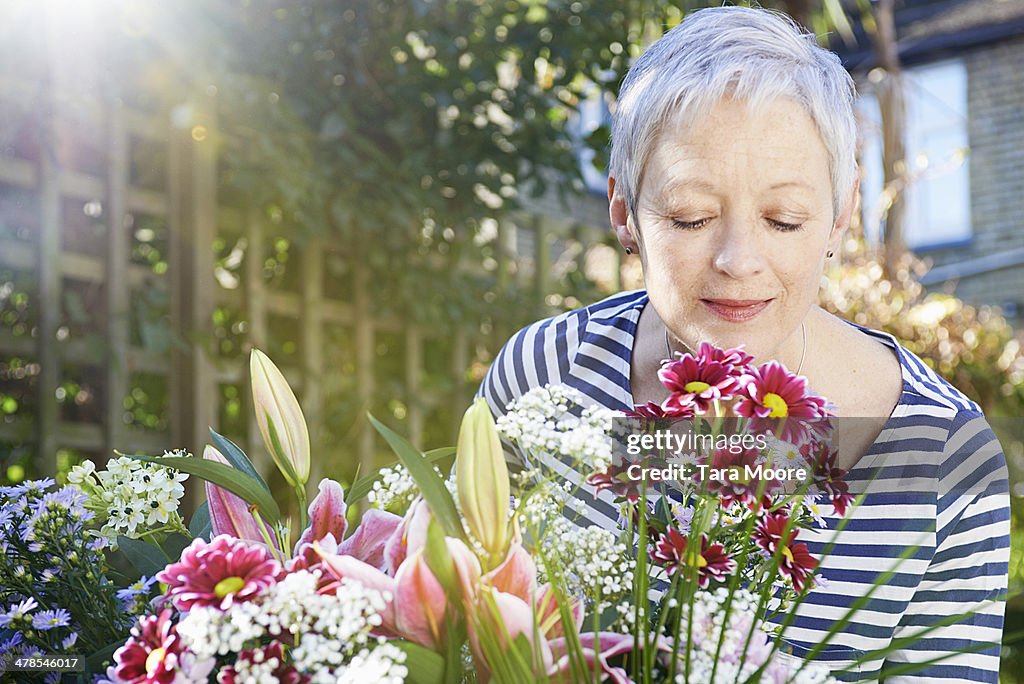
x=482, y=479
x=280, y=419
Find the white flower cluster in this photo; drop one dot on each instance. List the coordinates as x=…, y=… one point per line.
x=331, y=632
x=709, y=620
x=394, y=489
x=131, y=496
x=384, y=664
x=541, y=421
x=592, y=562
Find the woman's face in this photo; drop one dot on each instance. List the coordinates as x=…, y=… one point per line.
x=733, y=221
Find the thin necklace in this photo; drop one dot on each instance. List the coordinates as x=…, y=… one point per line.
x=803, y=346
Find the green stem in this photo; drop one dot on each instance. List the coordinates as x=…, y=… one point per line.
x=300, y=496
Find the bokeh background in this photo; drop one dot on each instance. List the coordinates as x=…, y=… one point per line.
x=377, y=193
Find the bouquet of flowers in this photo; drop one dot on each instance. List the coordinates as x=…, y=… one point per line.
x=477, y=576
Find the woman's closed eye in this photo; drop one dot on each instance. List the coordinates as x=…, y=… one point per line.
x=690, y=225
x=785, y=226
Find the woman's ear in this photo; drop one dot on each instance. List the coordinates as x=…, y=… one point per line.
x=618, y=214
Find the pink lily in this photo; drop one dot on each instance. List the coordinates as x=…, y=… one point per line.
x=229, y=514
x=368, y=541
x=420, y=602
x=549, y=614
x=408, y=537
x=516, y=574
x=326, y=514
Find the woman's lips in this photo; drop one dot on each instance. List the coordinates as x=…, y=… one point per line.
x=736, y=310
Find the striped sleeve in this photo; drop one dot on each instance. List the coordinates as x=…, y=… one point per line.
x=967, y=575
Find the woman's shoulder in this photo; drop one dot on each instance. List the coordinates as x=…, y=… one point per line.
x=922, y=386
x=545, y=351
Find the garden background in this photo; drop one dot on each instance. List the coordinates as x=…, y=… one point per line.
x=377, y=193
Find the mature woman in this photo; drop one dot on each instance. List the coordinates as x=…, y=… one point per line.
x=733, y=178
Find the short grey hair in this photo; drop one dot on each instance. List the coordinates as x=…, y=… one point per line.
x=754, y=55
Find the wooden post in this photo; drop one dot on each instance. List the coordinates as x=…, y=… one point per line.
x=256, y=310
x=48, y=267
x=117, y=302
x=460, y=361
x=312, y=346
x=362, y=331
x=413, y=370
x=542, y=263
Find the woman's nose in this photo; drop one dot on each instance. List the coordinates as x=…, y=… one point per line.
x=738, y=254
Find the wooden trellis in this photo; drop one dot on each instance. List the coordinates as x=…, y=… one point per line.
x=184, y=198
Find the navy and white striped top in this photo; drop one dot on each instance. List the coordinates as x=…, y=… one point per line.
x=938, y=496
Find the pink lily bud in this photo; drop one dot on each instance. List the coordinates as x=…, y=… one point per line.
x=280, y=419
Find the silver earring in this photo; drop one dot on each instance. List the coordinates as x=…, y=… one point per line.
x=629, y=250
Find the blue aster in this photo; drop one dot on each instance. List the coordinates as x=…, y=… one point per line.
x=48, y=619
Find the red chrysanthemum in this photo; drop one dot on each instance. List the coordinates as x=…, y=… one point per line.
x=828, y=476
x=152, y=653
x=713, y=563
x=697, y=383
x=740, y=483
x=272, y=656
x=617, y=480
x=216, y=574
x=795, y=561
x=780, y=402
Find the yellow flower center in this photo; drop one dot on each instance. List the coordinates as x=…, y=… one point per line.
x=787, y=553
x=696, y=386
x=156, y=657
x=777, y=404
x=228, y=585
x=701, y=562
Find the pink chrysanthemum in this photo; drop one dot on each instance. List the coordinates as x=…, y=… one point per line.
x=152, y=653
x=779, y=401
x=737, y=358
x=795, y=561
x=713, y=563
x=617, y=480
x=697, y=383
x=216, y=574
x=271, y=656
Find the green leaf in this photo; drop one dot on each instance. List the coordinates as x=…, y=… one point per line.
x=427, y=479
x=231, y=479
x=361, y=487
x=425, y=666
x=236, y=457
x=200, y=527
x=146, y=558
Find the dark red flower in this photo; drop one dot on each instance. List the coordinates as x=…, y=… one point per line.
x=713, y=563
x=696, y=382
x=152, y=653
x=740, y=482
x=270, y=656
x=616, y=479
x=780, y=402
x=218, y=573
x=828, y=476
x=795, y=561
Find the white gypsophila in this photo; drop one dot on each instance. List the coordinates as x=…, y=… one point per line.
x=327, y=629
x=592, y=562
x=745, y=647
x=384, y=664
x=541, y=421
x=131, y=496
x=394, y=486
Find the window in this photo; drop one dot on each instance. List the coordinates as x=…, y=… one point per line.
x=593, y=113
x=937, y=198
